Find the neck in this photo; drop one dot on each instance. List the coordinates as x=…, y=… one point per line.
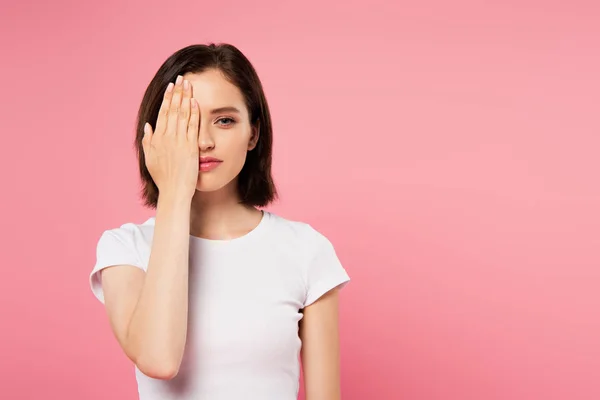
x=220, y=215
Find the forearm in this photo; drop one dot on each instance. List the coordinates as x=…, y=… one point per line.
x=158, y=326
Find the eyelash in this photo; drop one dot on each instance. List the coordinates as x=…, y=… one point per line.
x=227, y=118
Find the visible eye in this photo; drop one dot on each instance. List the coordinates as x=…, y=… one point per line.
x=226, y=121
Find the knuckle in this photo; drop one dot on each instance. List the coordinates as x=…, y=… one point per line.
x=184, y=113
x=163, y=112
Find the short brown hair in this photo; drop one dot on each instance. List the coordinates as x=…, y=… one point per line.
x=255, y=183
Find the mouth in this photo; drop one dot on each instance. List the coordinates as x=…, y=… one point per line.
x=209, y=163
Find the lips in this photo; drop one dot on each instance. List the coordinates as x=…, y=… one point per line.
x=209, y=163
x=204, y=159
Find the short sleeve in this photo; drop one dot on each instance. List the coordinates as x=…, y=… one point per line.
x=115, y=247
x=324, y=271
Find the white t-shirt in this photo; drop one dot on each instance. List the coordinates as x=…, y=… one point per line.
x=245, y=300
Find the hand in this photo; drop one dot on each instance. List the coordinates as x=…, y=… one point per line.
x=171, y=150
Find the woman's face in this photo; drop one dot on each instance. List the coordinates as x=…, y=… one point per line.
x=225, y=132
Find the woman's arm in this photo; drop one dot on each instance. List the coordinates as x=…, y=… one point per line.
x=148, y=311
x=320, y=348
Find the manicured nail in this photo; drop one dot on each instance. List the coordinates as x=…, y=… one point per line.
x=170, y=87
x=146, y=128
x=179, y=79
x=186, y=84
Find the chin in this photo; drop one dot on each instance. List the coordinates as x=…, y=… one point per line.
x=210, y=184
x=208, y=188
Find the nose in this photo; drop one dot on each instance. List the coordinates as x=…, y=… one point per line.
x=205, y=139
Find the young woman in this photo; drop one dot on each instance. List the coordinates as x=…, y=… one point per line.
x=212, y=297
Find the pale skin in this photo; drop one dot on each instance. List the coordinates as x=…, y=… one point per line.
x=149, y=309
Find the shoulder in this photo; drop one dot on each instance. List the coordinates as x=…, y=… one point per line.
x=298, y=233
x=129, y=230
x=321, y=266
x=130, y=237
x=128, y=244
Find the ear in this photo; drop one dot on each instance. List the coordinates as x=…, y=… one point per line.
x=254, y=136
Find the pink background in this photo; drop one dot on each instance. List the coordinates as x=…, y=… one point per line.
x=448, y=149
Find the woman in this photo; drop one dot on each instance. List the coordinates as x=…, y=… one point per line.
x=212, y=298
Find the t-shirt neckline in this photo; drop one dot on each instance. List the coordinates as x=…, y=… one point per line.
x=258, y=229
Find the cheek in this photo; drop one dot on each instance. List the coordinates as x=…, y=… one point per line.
x=234, y=147
x=235, y=141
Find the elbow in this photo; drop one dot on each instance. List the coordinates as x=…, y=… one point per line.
x=164, y=369
x=154, y=361
x=162, y=373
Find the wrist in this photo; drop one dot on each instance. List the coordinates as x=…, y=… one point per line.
x=174, y=198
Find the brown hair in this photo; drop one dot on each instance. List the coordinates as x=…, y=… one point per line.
x=255, y=183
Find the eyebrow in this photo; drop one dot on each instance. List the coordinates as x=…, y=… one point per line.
x=224, y=110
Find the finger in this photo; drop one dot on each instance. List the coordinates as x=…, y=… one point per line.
x=163, y=112
x=147, y=139
x=184, y=112
x=194, y=123
x=175, y=107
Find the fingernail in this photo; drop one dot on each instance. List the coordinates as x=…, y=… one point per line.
x=170, y=86
x=186, y=84
x=179, y=79
x=147, y=127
